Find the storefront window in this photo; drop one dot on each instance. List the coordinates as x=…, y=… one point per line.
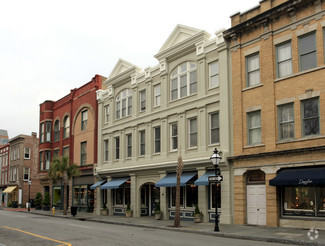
x=143, y=196
x=213, y=195
x=119, y=196
x=173, y=196
x=122, y=196
x=191, y=195
x=127, y=196
x=304, y=201
x=57, y=196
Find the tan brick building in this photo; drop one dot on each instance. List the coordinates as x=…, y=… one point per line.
x=278, y=87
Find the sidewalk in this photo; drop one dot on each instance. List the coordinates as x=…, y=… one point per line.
x=282, y=235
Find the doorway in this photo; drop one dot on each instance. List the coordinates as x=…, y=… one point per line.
x=256, y=199
x=150, y=196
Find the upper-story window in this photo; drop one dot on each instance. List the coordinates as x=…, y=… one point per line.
x=284, y=59
x=254, y=127
x=253, y=70
x=286, y=121
x=183, y=81
x=157, y=95
x=214, y=74
x=214, y=128
x=106, y=113
x=84, y=119
x=26, y=153
x=173, y=136
x=66, y=127
x=48, y=131
x=307, y=51
x=56, y=131
x=83, y=153
x=42, y=133
x=124, y=103
x=143, y=100
x=192, y=127
x=157, y=139
x=310, y=116
x=106, y=150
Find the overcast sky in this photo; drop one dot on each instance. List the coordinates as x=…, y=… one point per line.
x=50, y=47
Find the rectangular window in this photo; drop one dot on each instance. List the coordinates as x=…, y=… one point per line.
x=142, y=142
x=193, y=87
x=119, y=196
x=118, y=110
x=130, y=106
x=129, y=145
x=253, y=70
x=173, y=197
x=56, y=153
x=83, y=153
x=106, y=150
x=48, y=131
x=213, y=74
x=143, y=100
x=84, y=119
x=15, y=154
x=156, y=95
x=173, y=136
x=307, y=51
x=310, y=117
x=26, y=153
x=284, y=60
x=254, y=128
x=106, y=113
x=117, y=148
x=286, y=121
x=26, y=173
x=41, y=161
x=47, y=159
x=65, y=152
x=192, y=132
x=191, y=195
x=56, y=131
x=42, y=132
x=214, y=128
x=157, y=139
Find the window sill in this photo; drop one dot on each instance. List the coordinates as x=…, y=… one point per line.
x=193, y=148
x=156, y=154
x=299, y=73
x=300, y=139
x=252, y=87
x=254, y=146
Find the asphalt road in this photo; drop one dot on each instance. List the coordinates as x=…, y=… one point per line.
x=18, y=228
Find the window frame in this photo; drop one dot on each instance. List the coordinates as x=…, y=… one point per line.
x=216, y=128
x=279, y=63
x=47, y=159
x=106, y=114
x=84, y=119
x=142, y=96
x=249, y=128
x=128, y=145
x=177, y=74
x=157, y=140
x=173, y=137
x=24, y=173
x=303, y=119
x=48, y=129
x=281, y=123
x=123, y=104
x=117, y=148
x=157, y=95
x=300, y=54
x=190, y=133
x=106, y=150
x=142, y=143
x=66, y=127
x=29, y=152
x=248, y=72
x=214, y=75
x=56, y=131
x=83, y=153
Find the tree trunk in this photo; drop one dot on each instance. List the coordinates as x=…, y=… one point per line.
x=65, y=188
x=177, y=219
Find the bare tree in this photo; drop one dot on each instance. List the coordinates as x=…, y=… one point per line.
x=179, y=170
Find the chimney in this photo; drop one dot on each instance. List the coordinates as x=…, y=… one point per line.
x=34, y=134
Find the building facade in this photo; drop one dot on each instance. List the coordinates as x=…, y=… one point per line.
x=149, y=118
x=22, y=184
x=4, y=166
x=277, y=51
x=68, y=127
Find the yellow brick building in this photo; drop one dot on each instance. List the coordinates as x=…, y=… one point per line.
x=278, y=84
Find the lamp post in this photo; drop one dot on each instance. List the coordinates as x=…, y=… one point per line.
x=29, y=184
x=215, y=159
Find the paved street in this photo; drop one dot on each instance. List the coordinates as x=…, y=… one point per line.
x=32, y=229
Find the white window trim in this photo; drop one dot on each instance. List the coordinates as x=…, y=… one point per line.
x=28, y=153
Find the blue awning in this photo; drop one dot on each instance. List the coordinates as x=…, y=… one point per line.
x=114, y=183
x=300, y=177
x=170, y=179
x=203, y=180
x=94, y=186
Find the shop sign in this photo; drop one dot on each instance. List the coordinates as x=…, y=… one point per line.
x=305, y=182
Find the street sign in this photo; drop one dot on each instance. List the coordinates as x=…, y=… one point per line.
x=215, y=179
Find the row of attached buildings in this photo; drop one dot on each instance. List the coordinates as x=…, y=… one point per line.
x=254, y=91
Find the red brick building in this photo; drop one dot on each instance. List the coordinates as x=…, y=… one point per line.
x=68, y=127
x=4, y=172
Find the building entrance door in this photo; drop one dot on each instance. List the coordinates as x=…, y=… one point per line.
x=256, y=205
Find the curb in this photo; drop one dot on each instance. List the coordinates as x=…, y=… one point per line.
x=216, y=234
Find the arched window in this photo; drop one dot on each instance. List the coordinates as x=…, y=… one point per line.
x=256, y=177
x=56, y=130
x=183, y=81
x=123, y=104
x=66, y=127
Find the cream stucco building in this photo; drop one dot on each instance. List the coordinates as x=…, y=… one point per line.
x=149, y=117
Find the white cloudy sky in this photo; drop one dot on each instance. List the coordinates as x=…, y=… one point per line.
x=49, y=47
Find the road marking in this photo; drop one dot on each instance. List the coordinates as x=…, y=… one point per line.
x=50, y=239
x=81, y=226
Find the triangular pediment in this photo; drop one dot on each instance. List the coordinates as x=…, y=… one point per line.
x=179, y=34
x=120, y=67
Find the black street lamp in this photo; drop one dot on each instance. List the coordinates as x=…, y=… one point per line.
x=215, y=159
x=29, y=184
